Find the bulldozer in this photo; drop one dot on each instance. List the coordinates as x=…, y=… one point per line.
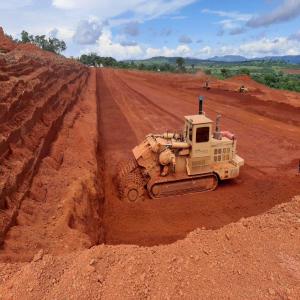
x=170, y=164
x=206, y=85
x=242, y=89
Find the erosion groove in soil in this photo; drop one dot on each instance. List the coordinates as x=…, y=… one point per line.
x=41, y=118
x=33, y=111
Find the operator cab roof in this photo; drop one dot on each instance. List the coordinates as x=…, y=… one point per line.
x=198, y=119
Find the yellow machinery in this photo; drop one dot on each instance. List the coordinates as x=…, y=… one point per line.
x=242, y=89
x=169, y=164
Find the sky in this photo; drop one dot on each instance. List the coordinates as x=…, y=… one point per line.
x=139, y=29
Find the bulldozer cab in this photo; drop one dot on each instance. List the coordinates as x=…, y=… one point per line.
x=199, y=132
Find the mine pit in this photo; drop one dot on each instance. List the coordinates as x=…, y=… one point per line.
x=164, y=221
x=64, y=128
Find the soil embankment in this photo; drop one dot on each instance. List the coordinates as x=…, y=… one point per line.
x=48, y=140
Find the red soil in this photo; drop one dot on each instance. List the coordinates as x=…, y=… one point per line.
x=291, y=71
x=141, y=107
x=63, y=129
x=6, y=44
x=36, y=93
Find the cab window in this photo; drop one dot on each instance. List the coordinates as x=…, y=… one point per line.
x=191, y=133
x=202, y=135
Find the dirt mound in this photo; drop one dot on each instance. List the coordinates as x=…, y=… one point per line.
x=32, y=50
x=239, y=261
x=6, y=44
x=29, y=48
x=241, y=78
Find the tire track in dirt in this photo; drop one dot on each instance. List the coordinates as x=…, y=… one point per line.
x=137, y=107
x=253, y=131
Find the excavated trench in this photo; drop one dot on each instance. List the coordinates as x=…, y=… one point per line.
x=126, y=115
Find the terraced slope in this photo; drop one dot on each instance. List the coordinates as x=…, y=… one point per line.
x=36, y=92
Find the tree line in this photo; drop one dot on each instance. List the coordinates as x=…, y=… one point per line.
x=93, y=59
x=51, y=44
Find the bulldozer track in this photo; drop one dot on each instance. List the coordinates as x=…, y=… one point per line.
x=147, y=100
x=167, y=187
x=130, y=181
x=126, y=166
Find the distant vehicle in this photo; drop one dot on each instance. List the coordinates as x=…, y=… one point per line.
x=242, y=89
x=169, y=164
x=206, y=85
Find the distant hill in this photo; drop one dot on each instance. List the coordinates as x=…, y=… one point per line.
x=228, y=58
x=291, y=59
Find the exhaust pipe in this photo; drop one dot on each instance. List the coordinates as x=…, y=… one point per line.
x=201, y=105
x=218, y=133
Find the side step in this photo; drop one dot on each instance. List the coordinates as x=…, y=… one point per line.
x=166, y=187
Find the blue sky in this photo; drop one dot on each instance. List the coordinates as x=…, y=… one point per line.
x=141, y=29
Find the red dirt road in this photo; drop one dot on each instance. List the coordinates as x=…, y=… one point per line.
x=142, y=103
x=292, y=71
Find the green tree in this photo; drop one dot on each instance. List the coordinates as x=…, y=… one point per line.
x=93, y=59
x=49, y=44
x=245, y=71
x=141, y=66
x=207, y=71
x=26, y=38
x=224, y=72
x=180, y=62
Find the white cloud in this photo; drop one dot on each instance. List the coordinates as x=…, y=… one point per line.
x=266, y=46
x=235, y=15
x=185, y=39
x=105, y=9
x=119, y=50
x=256, y=48
x=63, y=33
x=205, y=51
x=87, y=32
x=232, y=21
x=122, y=49
x=290, y=9
x=14, y=4
x=181, y=50
x=73, y=4
x=132, y=29
x=227, y=24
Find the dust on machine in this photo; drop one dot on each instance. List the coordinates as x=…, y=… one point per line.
x=170, y=164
